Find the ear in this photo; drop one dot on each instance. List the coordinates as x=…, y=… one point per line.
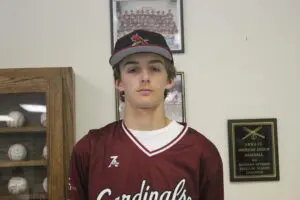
x=119, y=85
x=170, y=84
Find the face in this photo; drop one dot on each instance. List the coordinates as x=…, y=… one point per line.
x=143, y=80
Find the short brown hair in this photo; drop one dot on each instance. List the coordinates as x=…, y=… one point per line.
x=170, y=68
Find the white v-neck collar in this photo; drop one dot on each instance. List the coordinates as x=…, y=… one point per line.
x=148, y=152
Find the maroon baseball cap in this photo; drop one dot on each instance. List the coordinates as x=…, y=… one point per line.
x=140, y=41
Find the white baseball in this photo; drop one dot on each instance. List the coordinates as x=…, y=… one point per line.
x=45, y=152
x=17, y=119
x=17, y=185
x=44, y=119
x=45, y=185
x=17, y=152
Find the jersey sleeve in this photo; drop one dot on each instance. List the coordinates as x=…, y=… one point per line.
x=78, y=171
x=212, y=186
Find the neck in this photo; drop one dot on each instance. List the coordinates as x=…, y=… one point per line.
x=145, y=119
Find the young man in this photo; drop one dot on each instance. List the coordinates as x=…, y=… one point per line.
x=145, y=156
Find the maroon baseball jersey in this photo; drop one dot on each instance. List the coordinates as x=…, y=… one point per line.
x=110, y=163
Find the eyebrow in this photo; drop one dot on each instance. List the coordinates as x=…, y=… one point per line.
x=155, y=61
x=131, y=62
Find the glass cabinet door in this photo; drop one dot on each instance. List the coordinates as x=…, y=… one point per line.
x=23, y=146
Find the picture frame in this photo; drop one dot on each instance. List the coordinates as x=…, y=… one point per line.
x=174, y=102
x=253, y=150
x=162, y=16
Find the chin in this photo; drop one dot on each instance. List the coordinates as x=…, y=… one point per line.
x=147, y=104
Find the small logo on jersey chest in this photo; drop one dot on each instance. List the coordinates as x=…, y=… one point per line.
x=114, y=162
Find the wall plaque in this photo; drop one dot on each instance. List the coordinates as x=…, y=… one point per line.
x=253, y=149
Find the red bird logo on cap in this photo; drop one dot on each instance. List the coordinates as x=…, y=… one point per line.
x=136, y=39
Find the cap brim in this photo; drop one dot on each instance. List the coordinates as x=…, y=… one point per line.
x=120, y=55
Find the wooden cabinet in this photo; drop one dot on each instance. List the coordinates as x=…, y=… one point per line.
x=36, y=132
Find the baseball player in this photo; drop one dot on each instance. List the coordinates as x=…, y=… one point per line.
x=144, y=156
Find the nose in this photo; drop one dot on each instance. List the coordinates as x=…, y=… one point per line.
x=145, y=77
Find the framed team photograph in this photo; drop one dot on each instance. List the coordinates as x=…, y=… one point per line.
x=174, y=101
x=163, y=16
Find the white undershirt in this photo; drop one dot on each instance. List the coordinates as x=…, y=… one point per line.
x=156, y=139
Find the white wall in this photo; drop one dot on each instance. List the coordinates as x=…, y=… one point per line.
x=241, y=61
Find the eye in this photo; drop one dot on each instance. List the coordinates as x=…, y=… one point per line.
x=132, y=69
x=155, y=68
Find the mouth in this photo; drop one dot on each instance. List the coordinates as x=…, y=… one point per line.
x=144, y=92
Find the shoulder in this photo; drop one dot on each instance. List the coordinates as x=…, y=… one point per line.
x=97, y=135
x=104, y=131
x=202, y=144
